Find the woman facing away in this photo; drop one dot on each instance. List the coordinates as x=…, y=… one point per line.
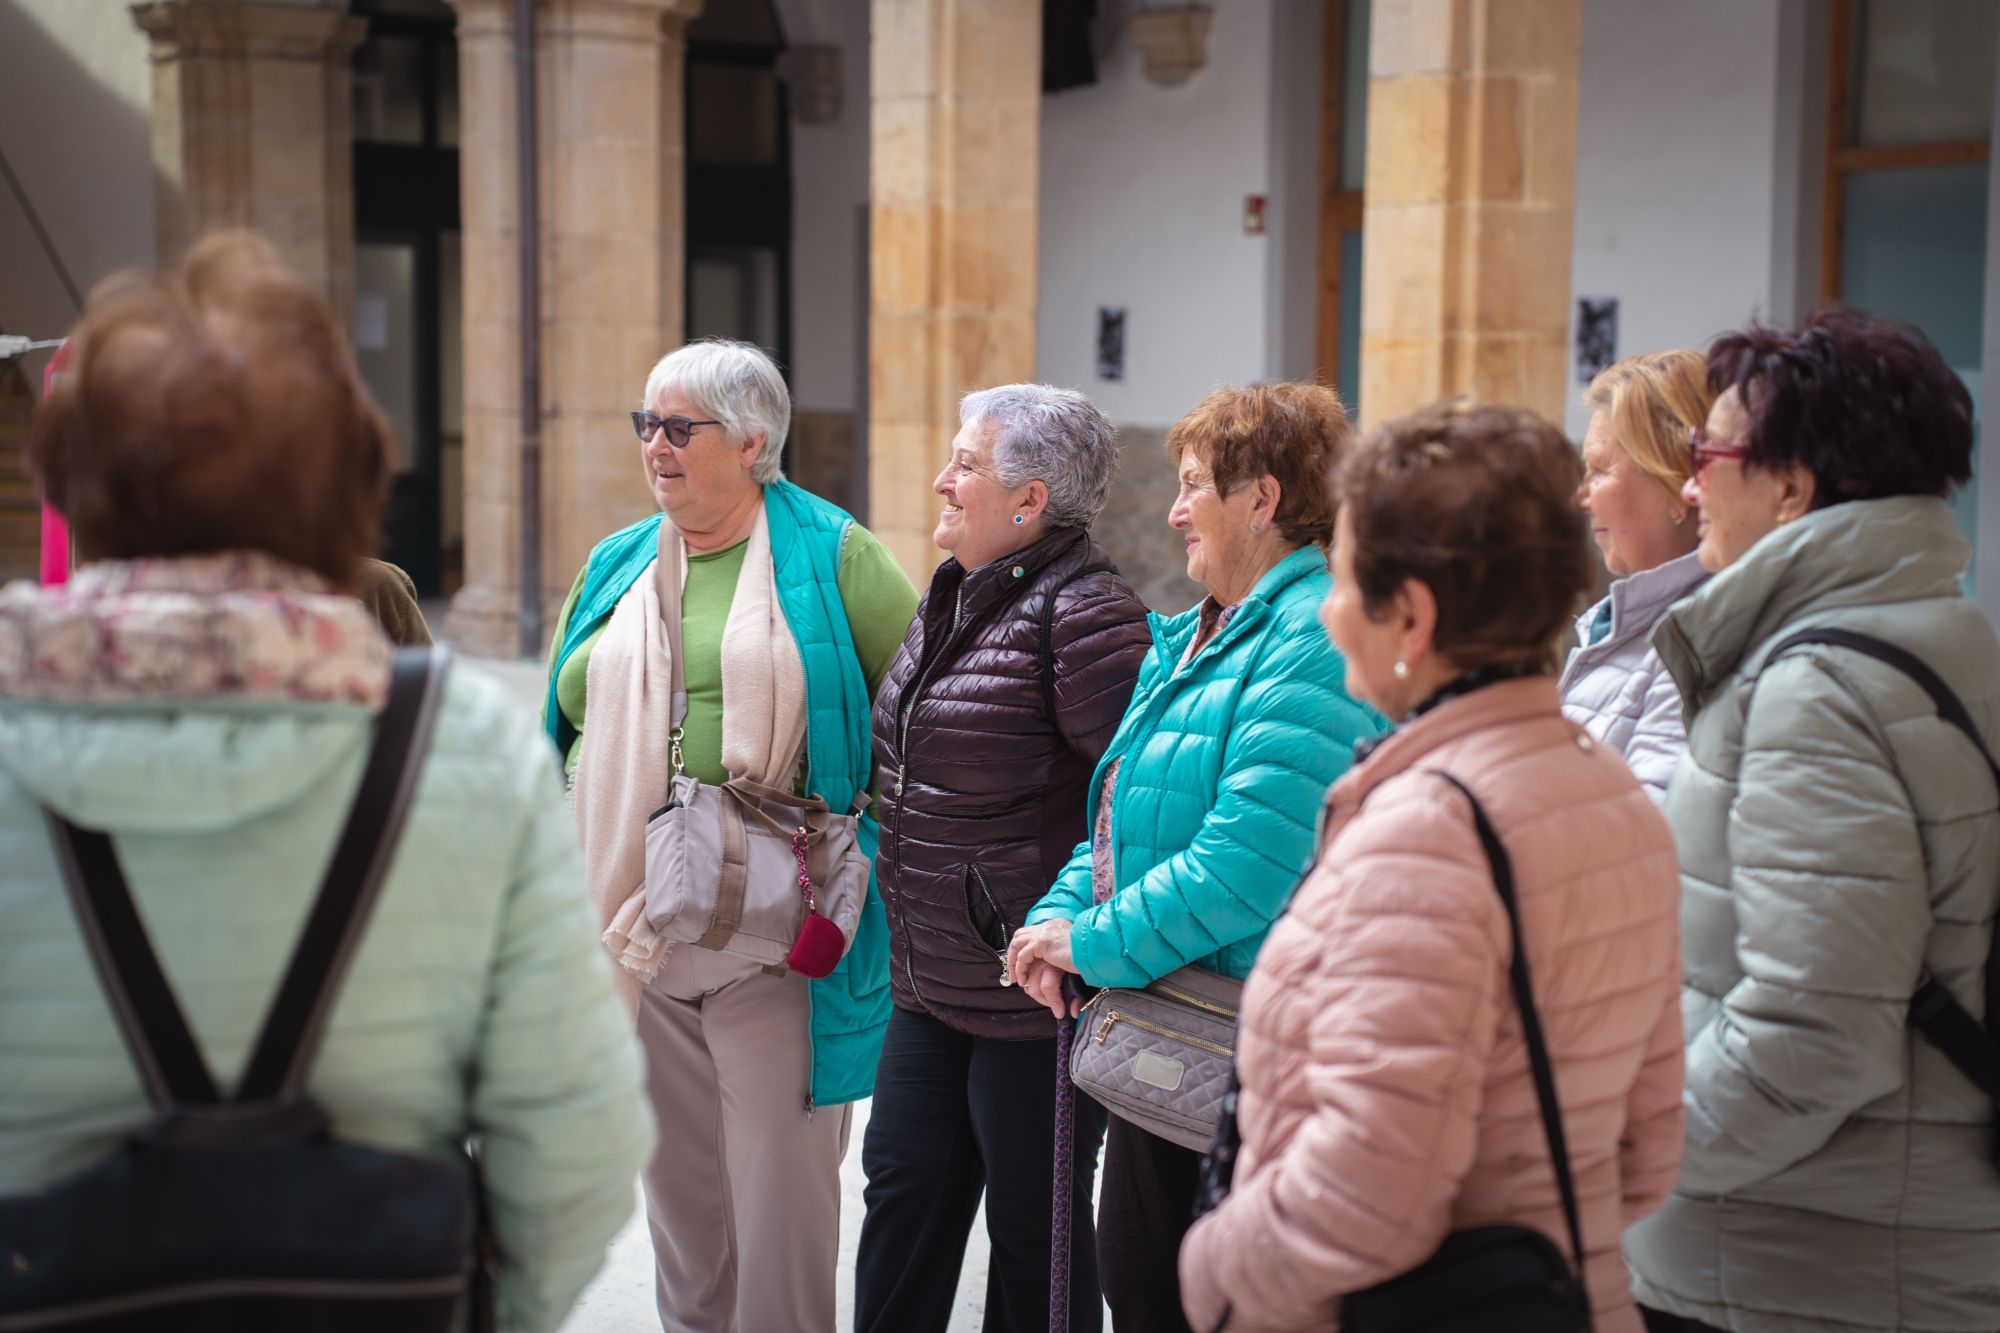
x=1202, y=807
x=1386, y=1095
x=1636, y=461
x=1011, y=680
x=205, y=690
x=1838, y=851
x=790, y=612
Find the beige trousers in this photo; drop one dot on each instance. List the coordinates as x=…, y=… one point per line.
x=743, y=1192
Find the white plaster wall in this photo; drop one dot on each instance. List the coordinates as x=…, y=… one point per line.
x=1142, y=193
x=830, y=217
x=1692, y=119
x=75, y=108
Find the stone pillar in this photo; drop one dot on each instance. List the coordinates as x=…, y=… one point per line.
x=613, y=183
x=954, y=128
x=1470, y=193
x=252, y=128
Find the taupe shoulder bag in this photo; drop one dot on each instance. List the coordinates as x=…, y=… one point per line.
x=743, y=868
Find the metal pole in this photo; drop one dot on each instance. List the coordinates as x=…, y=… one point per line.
x=531, y=329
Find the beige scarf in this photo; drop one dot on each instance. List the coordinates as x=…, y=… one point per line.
x=623, y=772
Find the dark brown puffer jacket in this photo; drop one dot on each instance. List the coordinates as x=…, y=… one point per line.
x=982, y=782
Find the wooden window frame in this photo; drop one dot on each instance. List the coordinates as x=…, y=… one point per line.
x=1340, y=210
x=1844, y=157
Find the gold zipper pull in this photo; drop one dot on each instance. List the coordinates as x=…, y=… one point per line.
x=1104, y=1028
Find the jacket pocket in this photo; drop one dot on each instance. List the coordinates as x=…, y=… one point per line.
x=983, y=916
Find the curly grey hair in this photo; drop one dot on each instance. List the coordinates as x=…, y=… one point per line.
x=1055, y=436
x=738, y=384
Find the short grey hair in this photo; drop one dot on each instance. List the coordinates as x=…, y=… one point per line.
x=1055, y=436
x=738, y=384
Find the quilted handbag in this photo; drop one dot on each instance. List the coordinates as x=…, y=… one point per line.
x=1160, y=1057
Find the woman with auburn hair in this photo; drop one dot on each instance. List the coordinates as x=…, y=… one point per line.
x=205, y=691
x=1203, y=805
x=1839, y=863
x=1636, y=460
x=1386, y=1093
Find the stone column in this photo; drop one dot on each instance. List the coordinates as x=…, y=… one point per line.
x=611, y=124
x=955, y=118
x=1470, y=194
x=252, y=127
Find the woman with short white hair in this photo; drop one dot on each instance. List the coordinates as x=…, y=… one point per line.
x=789, y=614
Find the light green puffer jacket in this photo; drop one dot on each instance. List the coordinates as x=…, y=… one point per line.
x=479, y=1000
x=1836, y=839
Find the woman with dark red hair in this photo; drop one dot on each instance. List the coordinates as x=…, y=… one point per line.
x=1838, y=854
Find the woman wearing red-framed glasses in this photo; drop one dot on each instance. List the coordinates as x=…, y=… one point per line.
x=1838, y=851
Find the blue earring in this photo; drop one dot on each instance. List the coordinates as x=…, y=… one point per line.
x=1020, y=519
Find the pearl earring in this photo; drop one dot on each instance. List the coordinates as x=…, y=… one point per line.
x=1402, y=669
x=1019, y=519
x=1680, y=517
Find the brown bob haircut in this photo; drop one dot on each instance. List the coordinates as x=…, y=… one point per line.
x=215, y=408
x=1292, y=432
x=1478, y=504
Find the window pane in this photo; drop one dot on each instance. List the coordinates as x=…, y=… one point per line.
x=1354, y=96
x=1925, y=71
x=733, y=293
x=732, y=115
x=385, y=342
x=1915, y=250
x=1350, y=323
x=447, y=94
x=389, y=91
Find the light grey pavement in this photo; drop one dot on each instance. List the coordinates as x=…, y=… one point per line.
x=620, y=1300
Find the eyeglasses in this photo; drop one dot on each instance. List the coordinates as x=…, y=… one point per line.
x=1704, y=449
x=679, y=429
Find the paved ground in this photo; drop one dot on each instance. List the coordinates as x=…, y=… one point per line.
x=621, y=1299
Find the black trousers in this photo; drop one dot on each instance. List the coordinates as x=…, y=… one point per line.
x=1146, y=1209
x=953, y=1116
x=1659, y=1321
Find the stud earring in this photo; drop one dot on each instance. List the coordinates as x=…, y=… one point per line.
x=1019, y=519
x=1257, y=529
x=1402, y=669
x=1680, y=517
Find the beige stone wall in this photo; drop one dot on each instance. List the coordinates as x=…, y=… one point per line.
x=1470, y=189
x=955, y=105
x=610, y=161
x=251, y=128
x=1133, y=527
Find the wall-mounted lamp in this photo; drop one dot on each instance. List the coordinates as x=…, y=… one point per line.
x=1173, y=40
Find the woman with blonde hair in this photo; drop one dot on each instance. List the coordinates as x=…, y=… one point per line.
x=1635, y=462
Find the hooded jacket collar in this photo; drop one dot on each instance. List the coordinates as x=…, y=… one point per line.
x=1861, y=553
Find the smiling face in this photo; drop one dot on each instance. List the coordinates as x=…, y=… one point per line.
x=1739, y=505
x=700, y=485
x=1637, y=523
x=977, y=525
x=1223, y=554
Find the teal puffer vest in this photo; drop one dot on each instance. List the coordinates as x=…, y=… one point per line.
x=1222, y=768
x=850, y=1007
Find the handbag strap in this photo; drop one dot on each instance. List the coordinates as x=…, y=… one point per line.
x=1531, y=1023
x=163, y=1047
x=1970, y=1046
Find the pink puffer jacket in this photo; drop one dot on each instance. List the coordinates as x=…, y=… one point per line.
x=1386, y=1093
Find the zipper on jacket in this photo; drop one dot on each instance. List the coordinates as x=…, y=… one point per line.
x=1116, y=1016
x=810, y=1106
x=909, y=706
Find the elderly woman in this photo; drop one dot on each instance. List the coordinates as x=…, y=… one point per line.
x=1635, y=460
x=1010, y=683
x=790, y=612
x=1386, y=1093
x=204, y=691
x=1203, y=805
x=1839, y=860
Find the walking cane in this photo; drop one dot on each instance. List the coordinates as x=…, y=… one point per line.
x=1059, y=1222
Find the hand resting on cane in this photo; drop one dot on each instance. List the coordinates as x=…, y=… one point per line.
x=1038, y=958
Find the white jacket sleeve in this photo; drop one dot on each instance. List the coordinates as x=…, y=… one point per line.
x=1660, y=733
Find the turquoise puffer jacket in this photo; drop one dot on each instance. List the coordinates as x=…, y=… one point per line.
x=1222, y=768
x=478, y=1002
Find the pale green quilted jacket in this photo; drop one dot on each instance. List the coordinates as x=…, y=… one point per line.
x=1836, y=840
x=479, y=1001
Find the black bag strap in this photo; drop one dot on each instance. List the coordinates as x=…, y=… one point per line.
x=1531, y=1023
x=1949, y=1026
x=154, y=1026
x=1048, y=652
